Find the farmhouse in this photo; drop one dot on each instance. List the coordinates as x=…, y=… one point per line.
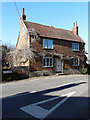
x=54, y=49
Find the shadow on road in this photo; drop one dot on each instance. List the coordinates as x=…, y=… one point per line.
x=75, y=108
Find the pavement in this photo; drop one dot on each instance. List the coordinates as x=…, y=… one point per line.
x=51, y=97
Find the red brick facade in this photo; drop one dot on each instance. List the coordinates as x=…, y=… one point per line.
x=62, y=44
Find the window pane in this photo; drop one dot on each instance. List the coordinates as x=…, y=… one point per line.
x=48, y=62
x=78, y=46
x=44, y=43
x=51, y=44
x=43, y=62
x=75, y=46
x=72, y=46
x=73, y=61
x=76, y=61
x=51, y=62
x=47, y=43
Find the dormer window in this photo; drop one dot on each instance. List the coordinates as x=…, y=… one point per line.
x=75, y=46
x=48, y=44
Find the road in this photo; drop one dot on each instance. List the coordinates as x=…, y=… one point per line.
x=57, y=97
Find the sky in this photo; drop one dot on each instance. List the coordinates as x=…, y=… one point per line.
x=58, y=14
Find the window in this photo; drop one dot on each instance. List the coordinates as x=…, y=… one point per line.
x=75, y=46
x=47, y=44
x=47, y=62
x=75, y=62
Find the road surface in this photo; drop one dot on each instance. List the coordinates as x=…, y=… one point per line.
x=51, y=97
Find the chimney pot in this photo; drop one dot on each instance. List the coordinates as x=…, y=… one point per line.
x=76, y=23
x=22, y=12
x=75, y=28
x=23, y=16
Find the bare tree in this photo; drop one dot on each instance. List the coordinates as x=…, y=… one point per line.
x=6, y=58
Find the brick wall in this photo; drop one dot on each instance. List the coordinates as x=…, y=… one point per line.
x=62, y=47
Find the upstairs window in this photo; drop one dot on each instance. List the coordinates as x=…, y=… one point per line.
x=48, y=44
x=75, y=62
x=47, y=62
x=75, y=46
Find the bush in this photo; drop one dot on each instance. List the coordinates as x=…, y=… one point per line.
x=6, y=68
x=33, y=74
x=86, y=70
x=13, y=76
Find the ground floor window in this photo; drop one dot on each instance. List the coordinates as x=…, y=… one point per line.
x=75, y=62
x=47, y=62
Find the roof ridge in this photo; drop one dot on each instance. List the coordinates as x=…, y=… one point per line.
x=49, y=26
x=50, y=31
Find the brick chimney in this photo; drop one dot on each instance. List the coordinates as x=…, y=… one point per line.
x=23, y=16
x=75, y=28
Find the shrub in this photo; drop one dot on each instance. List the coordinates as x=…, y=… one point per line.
x=86, y=70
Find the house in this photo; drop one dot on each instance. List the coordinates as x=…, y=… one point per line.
x=58, y=50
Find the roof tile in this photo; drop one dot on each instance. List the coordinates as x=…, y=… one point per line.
x=52, y=32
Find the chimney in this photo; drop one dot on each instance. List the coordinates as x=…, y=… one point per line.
x=23, y=16
x=75, y=28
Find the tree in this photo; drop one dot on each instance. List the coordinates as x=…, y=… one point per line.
x=6, y=59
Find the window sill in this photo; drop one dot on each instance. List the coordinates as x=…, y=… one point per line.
x=75, y=65
x=48, y=48
x=47, y=66
x=75, y=50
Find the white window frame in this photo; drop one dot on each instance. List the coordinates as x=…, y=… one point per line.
x=46, y=61
x=75, y=62
x=75, y=46
x=47, y=45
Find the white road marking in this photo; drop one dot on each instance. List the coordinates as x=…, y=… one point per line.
x=41, y=113
x=33, y=91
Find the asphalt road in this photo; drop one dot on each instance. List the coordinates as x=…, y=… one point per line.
x=57, y=97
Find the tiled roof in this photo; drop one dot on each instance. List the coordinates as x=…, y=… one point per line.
x=51, y=32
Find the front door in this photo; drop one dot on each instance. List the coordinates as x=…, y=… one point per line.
x=58, y=65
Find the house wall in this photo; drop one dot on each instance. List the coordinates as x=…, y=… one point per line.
x=60, y=46
x=63, y=47
x=68, y=63
x=23, y=42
